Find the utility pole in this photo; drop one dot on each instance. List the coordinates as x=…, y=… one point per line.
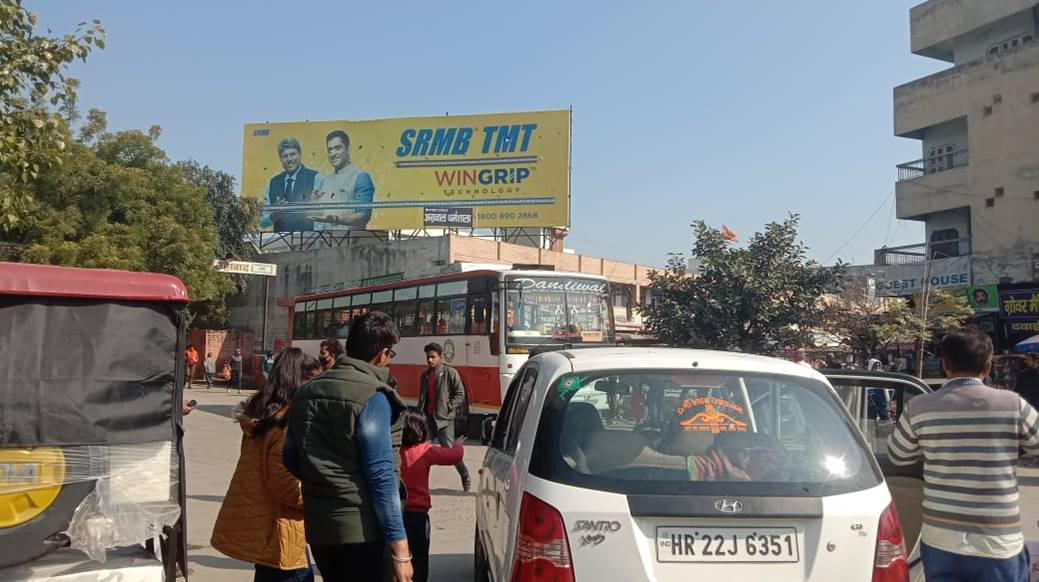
x=925, y=304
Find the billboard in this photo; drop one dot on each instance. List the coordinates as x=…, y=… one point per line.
x=467, y=171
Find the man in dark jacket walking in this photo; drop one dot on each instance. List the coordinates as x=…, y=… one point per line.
x=1028, y=380
x=343, y=442
x=441, y=396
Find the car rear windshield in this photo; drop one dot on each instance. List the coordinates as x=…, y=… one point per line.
x=699, y=432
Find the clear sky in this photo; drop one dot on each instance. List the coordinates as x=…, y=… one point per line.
x=730, y=112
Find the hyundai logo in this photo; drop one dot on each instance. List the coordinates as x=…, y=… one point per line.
x=728, y=505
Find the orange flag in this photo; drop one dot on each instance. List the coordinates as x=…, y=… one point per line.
x=728, y=235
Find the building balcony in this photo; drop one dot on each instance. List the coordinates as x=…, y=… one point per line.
x=918, y=253
x=931, y=192
x=936, y=24
x=959, y=91
x=933, y=165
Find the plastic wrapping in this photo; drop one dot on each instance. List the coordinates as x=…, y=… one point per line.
x=134, y=493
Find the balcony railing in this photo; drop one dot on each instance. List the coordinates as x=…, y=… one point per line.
x=933, y=165
x=912, y=254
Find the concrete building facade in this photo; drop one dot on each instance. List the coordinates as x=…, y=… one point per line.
x=976, y=184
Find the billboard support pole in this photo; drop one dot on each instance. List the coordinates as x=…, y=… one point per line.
x=266, y=300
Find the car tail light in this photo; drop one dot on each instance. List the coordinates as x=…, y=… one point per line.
x=542, y=552
x=890, y=560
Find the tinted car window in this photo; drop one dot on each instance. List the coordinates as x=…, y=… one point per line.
x=700, y=432
x=523, y=393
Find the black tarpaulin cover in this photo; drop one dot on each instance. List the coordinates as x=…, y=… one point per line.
x=75, y=372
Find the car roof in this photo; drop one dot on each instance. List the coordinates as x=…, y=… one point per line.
x=627, y=358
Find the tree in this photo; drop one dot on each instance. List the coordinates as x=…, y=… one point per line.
x=118, y=203
x=234, y=216
x=758, y=299
x=867, y=324
x=33, y=92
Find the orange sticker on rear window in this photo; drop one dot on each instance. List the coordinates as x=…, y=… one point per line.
x=709, y=414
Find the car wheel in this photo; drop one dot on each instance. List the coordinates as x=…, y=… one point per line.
x=27, y=541
x=481, y=570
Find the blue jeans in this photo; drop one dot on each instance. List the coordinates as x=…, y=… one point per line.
x=942, y=566
x=268, y=574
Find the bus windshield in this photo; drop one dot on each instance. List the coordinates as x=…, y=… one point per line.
x=567, y=309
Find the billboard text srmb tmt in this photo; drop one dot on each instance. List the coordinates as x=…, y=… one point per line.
x=496, y=170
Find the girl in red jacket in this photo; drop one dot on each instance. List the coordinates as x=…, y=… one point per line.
x=417, y=456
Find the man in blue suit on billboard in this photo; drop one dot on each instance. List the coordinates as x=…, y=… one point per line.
x=293, y=185
x=345, y=183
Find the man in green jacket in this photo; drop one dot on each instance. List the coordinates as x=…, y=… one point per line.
x=343, y=441
x=441, y=396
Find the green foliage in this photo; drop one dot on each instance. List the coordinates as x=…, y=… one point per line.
x=868, y=324
x=760, y=298
x=119, y=204
x=33, y=92
x=234, y=216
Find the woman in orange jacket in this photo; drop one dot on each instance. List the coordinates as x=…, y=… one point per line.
x=261, y=518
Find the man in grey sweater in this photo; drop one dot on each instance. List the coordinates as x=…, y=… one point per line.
x=969, y=437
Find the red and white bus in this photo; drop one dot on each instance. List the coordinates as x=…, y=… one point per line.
x=465, y=312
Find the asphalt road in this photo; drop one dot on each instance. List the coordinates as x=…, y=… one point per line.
x=212, y=440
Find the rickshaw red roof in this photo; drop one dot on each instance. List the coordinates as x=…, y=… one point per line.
x=50, y=281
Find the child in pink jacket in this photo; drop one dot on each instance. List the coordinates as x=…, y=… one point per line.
x=417, y=456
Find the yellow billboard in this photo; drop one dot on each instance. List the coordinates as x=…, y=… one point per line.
x=466, y=171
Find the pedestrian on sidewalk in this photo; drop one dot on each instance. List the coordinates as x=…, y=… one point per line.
x=417, y=456
x=261, y=517
x=969, y=436
x=328, y=352
x=441, y=396
x=1028, y=380
x=190, y=362
x=209, y=367
x=343, y=443
x=236, y=372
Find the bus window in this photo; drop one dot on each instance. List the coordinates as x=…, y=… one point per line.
x=427, y=317
x=297, y=322
x=323, y=320
x=405, y=294
x=443, y=316
x=452, y=288
x=406, y=323
x=341, y=317
x=479, y=311
x=456, y=319
x=427, y=291
x=308, y=326
x=382, y=296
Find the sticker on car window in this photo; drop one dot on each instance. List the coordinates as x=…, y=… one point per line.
x=569, y=384
x=710, y=414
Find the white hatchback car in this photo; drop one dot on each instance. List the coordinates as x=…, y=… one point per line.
x=636, y=464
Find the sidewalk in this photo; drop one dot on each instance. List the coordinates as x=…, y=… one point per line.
x=212, y=441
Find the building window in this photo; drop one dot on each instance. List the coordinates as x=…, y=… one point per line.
x=997, y=99
x=987, y=110
x=941, y=249
x=1035, y=97
x=1035, y=195
x=939, y=158
x=990, y=202
x=999, y=191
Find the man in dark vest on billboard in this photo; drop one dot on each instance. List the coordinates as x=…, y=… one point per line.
x=295, y=184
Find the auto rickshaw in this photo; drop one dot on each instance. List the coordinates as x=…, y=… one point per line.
x=91, y=452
